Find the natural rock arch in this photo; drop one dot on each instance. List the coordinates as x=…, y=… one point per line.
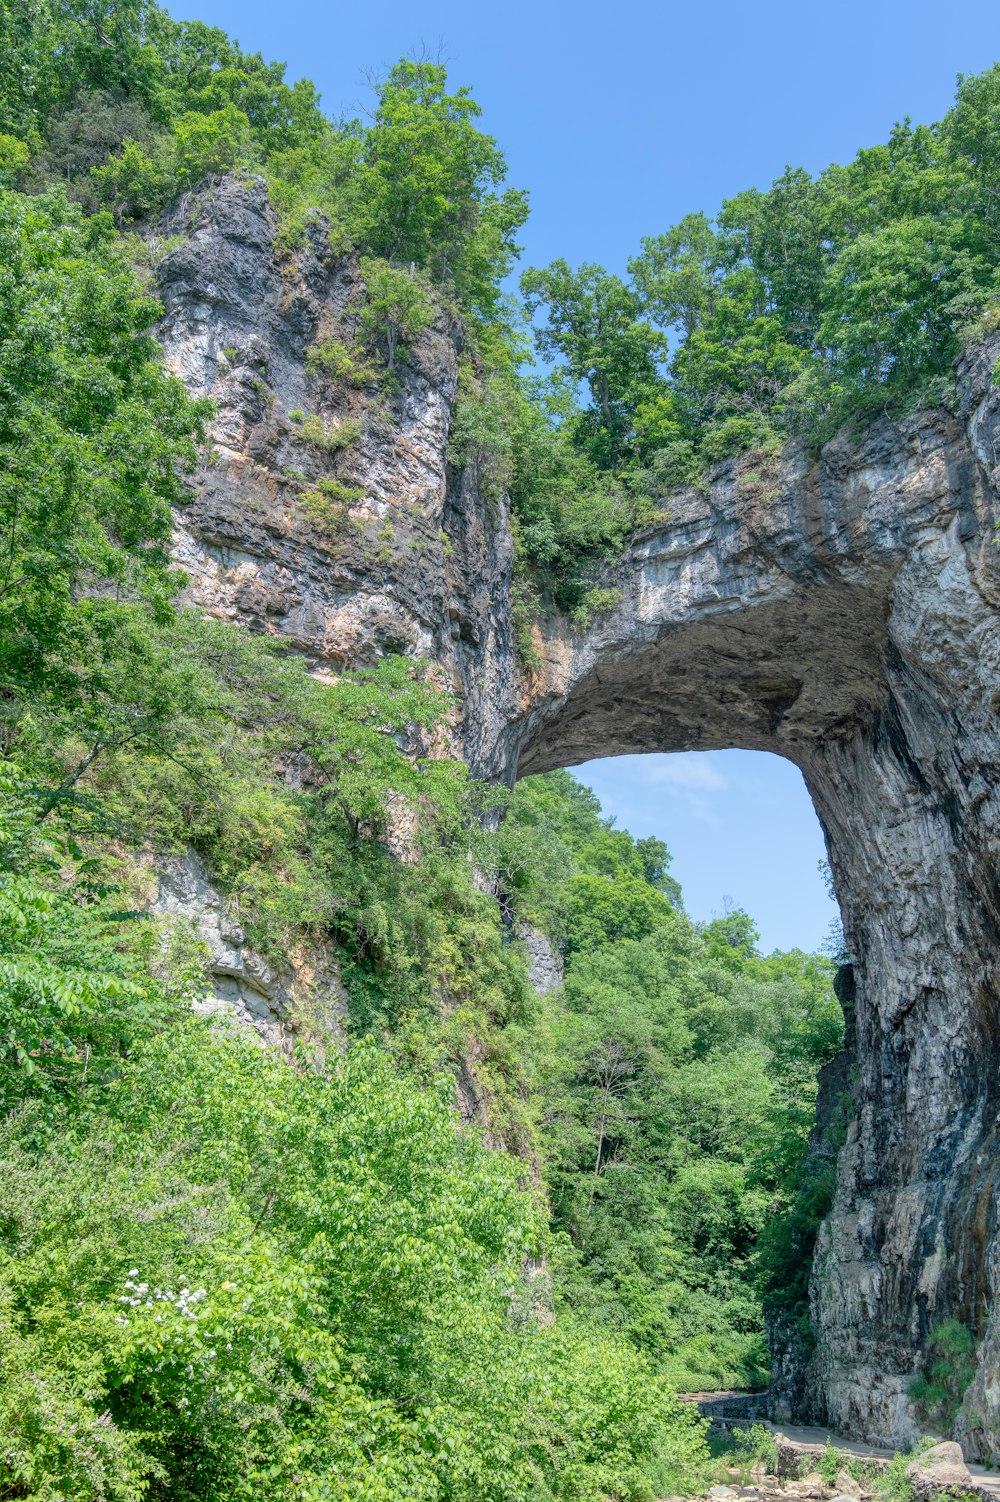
x=846, y=614
x=843, y=612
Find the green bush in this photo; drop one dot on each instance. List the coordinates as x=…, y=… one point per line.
x=340, y=363
x=596, y=601
x=758, y=1444
x=327, y=505
x=330, y=438
x=396, y=310
x=950, y=1367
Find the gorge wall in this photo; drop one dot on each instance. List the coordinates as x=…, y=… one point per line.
x=844, y=613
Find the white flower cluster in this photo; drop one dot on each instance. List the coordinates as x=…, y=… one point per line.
x=185, y=1302
x=138, y=1296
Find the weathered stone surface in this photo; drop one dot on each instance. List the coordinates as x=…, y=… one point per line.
x=843, y=612
x=939, y=1467
x=307, y=995
x=545, y=967
x=420, y=563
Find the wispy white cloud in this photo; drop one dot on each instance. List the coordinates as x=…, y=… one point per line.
x=686, y=771
x=630, y=787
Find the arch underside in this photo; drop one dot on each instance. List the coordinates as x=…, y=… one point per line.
x=773, y=676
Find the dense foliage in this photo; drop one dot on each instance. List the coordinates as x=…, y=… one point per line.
x=677, y=1085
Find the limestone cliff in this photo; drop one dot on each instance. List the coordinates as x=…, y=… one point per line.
x=841, y=611
x=416, y=563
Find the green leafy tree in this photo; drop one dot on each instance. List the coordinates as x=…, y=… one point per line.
x=93, y=434
x=678, y=274
x=303, y=1282
x=895, y=300
x=594, y=325
x=210, y=145
x=678, y=1087
x=85, y=134
x=427, y=190
x=972, y=134
x=132, y=183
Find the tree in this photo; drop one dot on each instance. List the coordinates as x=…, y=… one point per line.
x=133, y=182
x=737, y=362
x=426, y=189
x=678, y=274
x=786, y=235
x=94, y=435
x=396, y=309
x=594, y=325
x=93, y=125
x=972, y=134
x=895, y=300
x=209, y=145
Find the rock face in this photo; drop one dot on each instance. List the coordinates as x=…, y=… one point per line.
x=545, y=967
x=843, y=612
x=270, y=1005
x=408, y=557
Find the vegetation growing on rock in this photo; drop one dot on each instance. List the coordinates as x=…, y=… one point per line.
x=818, y=302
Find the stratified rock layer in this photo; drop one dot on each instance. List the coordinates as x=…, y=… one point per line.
x=843, y=612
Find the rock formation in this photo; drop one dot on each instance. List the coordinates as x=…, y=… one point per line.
x=307, y=998
x=842, y=611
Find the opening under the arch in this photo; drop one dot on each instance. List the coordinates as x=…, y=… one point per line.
x=741, y=829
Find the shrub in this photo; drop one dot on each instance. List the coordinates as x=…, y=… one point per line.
x=892, y=1484
x=829, y=1464
x=951, y=1366
x=313, y=430
x=327, y=505
x=595, y=602
x=336, y=360
x=758, y=1445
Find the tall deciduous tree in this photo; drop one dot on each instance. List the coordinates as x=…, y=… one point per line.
x=428, y=189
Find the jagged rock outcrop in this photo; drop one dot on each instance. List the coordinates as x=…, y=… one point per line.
x=545, y=966
x=418, y=562
x=841, y=611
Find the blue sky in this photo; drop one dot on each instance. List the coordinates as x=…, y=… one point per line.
x=618, y=119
